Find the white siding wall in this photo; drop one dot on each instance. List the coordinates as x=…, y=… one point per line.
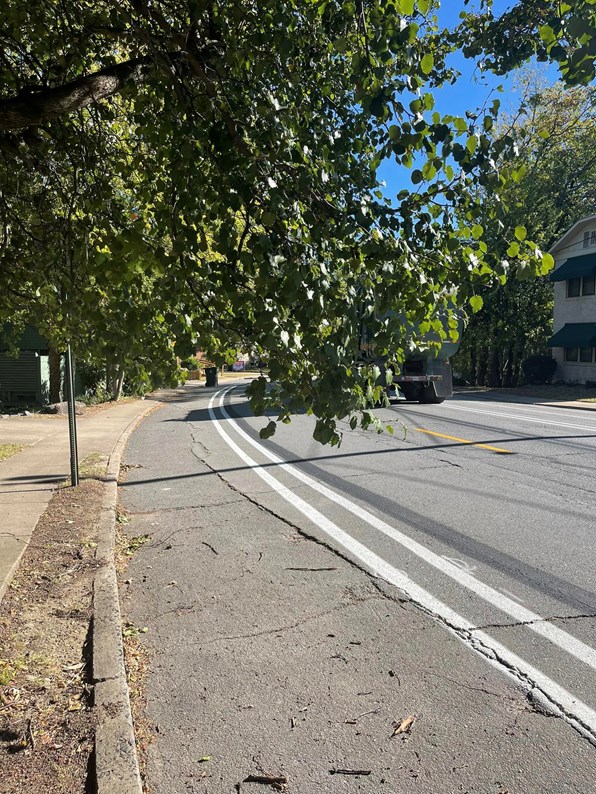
x=573, y=310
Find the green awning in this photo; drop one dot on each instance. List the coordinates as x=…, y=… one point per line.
x=575, y=267
x=574, y=335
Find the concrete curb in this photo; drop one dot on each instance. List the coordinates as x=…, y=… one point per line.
x=573, y=406
x=116, y=764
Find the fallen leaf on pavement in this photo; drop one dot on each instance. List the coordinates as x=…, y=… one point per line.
x=349, y=771
x=404, y=726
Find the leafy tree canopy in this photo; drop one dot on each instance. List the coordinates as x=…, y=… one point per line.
x=554, y=129
x=183, y=168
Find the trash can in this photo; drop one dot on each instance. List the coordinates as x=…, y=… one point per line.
x=210, y=376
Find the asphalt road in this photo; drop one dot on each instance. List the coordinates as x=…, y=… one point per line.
x=487, y=507
x=270, y=653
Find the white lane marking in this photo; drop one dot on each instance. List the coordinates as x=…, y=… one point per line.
x=522, y=418
x=461, y=564
x=578, y=713
x=509, y=593
x=538, y=409
x=519, y=613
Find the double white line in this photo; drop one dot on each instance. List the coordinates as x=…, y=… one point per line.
x=581, y=716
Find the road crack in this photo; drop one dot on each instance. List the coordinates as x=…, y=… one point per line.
x=451, y=463
x=463, y=685
x=290, y=626
x=549, y=619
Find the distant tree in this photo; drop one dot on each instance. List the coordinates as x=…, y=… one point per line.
x=554, y=186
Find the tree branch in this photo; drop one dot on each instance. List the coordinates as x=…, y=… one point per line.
x=40, y=107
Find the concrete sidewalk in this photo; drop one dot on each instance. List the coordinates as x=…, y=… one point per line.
x=489, y=395
x=577, y=404
x=28, y=479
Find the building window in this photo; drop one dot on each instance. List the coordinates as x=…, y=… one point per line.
x=589, y=285
x=585, y=355
x=590, y=238
x=574, y=287
x=586, y=239
x=581, y=286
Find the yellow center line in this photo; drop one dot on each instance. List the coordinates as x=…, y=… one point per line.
x=464, y=441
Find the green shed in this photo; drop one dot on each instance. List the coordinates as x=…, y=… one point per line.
x=24, y=378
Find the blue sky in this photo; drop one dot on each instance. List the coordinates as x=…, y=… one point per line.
x=470, y=91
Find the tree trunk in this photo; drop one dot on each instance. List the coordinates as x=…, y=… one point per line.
x=482, y=368
x=110, y=376
x=55, y=375
x=118, y=383
x=494, y=378
x=508, y=369
x=473, y=367
x=520, y=355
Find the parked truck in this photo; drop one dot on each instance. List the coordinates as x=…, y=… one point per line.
x=425, y=376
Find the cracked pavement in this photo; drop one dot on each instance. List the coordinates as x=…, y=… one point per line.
x=274, y=653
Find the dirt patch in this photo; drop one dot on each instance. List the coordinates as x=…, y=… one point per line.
x=46, y=718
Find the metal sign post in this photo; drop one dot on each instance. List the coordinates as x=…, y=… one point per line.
x=72, y=420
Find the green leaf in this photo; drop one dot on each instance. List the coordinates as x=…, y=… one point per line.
x=476, y=303
x=428, y=170
x=427, y=63
x=405, y=6
x=477, y=231
x=519, y=173
x=547, y=34
x=513, y=249
x=268, y=431
x=521, y=233
x=394, y=132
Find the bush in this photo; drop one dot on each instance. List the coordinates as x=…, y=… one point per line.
x=189, y=363
x=539, y=369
